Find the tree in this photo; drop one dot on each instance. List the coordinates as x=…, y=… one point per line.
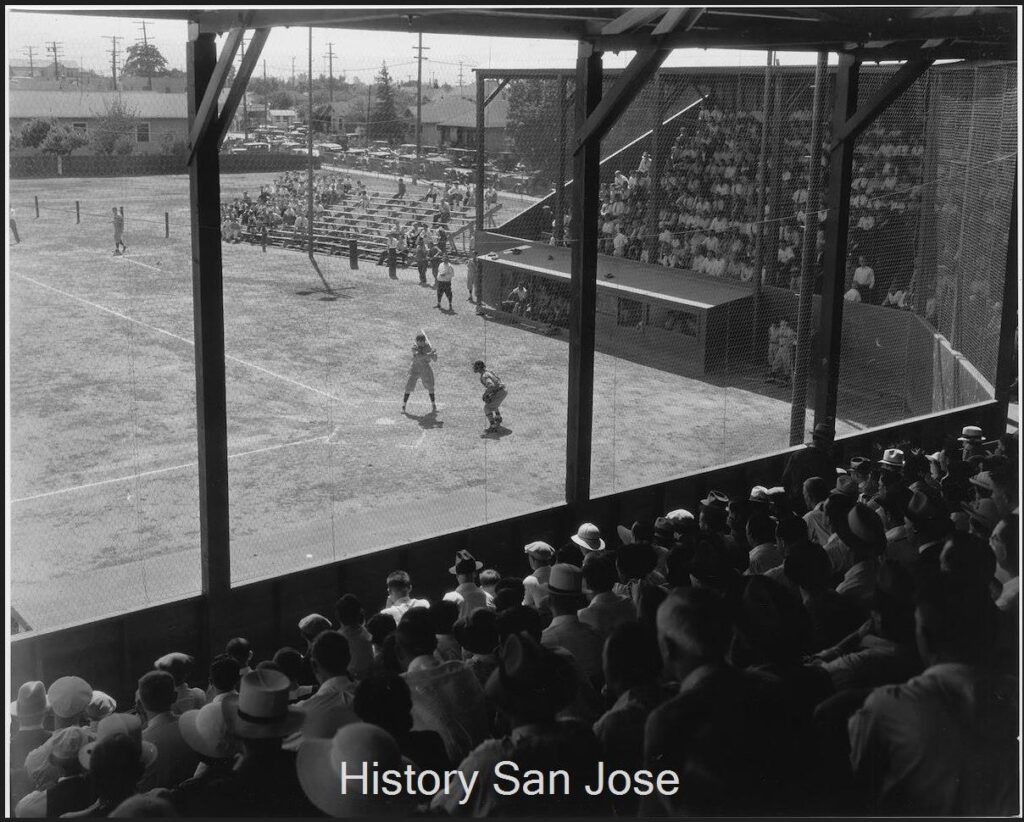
x=34, y=132
x=281, y=100
x=144, y=60
x=114, y=132
x=533, y=116
x=384, y=121
x=322, y=118
x=62, y=140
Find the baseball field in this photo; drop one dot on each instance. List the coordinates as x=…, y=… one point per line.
x=103, y=504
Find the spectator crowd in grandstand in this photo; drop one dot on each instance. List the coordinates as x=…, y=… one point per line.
x=843, y=641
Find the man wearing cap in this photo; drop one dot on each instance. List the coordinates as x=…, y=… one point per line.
x=69, y=698
x=815, y=460
x=565, y=598
x=65, y=788
x=540, y=555
x=840, y=500
x=175, y=761
x=864, y=533
x=400, y=596
x=468, y=595
x=930, y=525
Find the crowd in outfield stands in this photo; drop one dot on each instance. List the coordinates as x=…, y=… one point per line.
x=840, y=641
x=708, y=195
x=338, y=202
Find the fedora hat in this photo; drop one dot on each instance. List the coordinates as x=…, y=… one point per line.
x=846, y=486
x=260, y=709
x=588, y=537
x=465, y=563
x=860, y=464
x=715, y=499
x=892, y=458
x=31, y=701
x=641, y=531
x=531, y=674
x=207, y=730
x=984, y=511
x=759, y=494
x=565, y=580
x=924, y=506
x=971, y=433
x=863, y=529
x=69, y=696
x=539, y=549
x=318, y=765
x=127, y=724
x=983, y=479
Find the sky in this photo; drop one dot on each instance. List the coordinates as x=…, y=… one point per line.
x=358, y=54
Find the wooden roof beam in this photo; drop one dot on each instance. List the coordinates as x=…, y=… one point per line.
x=632, y=19
x=205, y=112
x=241, y=82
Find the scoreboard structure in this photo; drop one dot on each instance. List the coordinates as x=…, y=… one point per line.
x=668, y=318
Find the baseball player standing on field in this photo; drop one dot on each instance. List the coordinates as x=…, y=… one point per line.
x=494, y=395
x=423, y=354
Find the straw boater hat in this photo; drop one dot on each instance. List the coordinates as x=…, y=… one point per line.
x=983, y=479
x=207, y=730
x=715, y=499
x=465, y=563
x=127, y=724
x=319, y=762
x=260, y=709
x=971, y=433
x=588, y=537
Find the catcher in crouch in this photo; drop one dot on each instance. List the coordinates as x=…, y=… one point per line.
x=494, y=395
x=423, y=354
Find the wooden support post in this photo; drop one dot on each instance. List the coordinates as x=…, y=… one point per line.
x=481, y=145
x=208, y=313
x=830, y=324
x=78, y=213
x=583, y=281
x=804, y=329
x=1006, y=360
x=167, y=224
x=37, y=206
x=559, y=229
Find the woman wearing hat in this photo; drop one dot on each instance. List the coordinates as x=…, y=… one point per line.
x=423, y=353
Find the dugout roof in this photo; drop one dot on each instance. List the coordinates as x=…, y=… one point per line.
x=870, y=33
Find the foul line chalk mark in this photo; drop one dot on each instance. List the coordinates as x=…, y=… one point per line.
x=172, y=335
x=162, y=470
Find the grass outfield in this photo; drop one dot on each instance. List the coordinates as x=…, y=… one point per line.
x=104, y=506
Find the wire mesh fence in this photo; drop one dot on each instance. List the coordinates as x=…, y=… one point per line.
x=705, y=191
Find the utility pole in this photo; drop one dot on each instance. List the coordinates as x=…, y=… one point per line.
x=266, y=98
x=31, y=63
x=113, y=57
x=54, y=49
x=330, y=72
x=419, y=49
x=145, y=46
x=460, y=74
x=245, y=99
x=369, y=89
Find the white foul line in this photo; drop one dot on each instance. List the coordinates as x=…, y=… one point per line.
x=342, y=400
x=162, y=470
